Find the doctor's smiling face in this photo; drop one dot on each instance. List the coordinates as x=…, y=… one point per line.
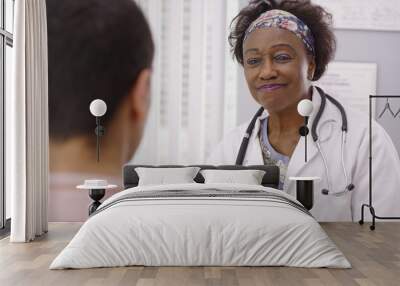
x=277, y=68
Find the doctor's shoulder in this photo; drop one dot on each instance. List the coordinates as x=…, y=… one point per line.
x=225, y=152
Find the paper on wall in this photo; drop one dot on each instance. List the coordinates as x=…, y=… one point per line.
x=351, y=83
x=381, y=15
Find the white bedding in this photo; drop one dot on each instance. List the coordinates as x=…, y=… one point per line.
x=200, y=231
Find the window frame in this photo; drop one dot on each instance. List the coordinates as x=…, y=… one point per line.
x=6, y=39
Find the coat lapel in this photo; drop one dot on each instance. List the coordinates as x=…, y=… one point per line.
x=254, y=154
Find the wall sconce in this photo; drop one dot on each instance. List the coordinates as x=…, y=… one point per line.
x=98, y=108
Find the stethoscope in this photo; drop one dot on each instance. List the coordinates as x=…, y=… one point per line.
x=349, y=185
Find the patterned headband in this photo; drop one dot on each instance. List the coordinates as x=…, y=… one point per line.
x=283, y=20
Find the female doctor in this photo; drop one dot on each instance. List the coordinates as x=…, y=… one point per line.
x=283, y=47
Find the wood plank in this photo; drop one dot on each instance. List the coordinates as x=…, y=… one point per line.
x=374, y=255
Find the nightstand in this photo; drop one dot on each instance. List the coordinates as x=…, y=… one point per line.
x=97, y=190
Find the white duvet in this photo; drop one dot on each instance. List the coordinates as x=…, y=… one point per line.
x=200, y=231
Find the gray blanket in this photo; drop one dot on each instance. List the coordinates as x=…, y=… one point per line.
x=206, y=194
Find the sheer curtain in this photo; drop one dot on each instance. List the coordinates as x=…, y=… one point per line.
x=27, y=124
x=194, y=86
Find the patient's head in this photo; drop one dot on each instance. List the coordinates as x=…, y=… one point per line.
x=97, y=49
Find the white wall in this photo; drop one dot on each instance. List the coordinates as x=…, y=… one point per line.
x=381, y=48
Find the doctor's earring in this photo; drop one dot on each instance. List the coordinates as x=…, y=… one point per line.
x=310, y=72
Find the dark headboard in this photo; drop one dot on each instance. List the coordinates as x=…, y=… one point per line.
x=270, y=179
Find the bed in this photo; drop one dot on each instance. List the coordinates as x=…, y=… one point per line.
x=201, y=224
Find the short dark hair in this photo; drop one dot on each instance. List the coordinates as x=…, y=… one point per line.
x=315, y=17
x=96, y=49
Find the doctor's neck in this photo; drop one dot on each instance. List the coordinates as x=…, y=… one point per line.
x=288, y=121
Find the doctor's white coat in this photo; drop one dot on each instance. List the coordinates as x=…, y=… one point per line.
x=346, y=207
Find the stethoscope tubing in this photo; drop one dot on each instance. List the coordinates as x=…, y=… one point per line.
x=324, y=96
x=246, y=138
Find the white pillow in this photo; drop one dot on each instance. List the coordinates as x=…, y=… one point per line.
x=162, y=176
x=248, y=177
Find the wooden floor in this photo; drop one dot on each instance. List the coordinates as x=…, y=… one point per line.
x=375, y=256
